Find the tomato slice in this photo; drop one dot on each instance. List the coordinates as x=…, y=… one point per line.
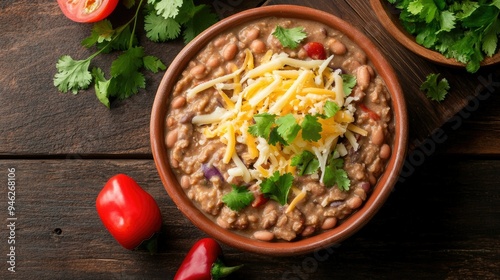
x=87, y=10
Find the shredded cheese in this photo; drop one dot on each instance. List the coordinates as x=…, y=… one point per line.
x=300, y=195
x=278, y=85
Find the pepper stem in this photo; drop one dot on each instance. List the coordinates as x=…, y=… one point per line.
x=150, y=244
x=219, y=270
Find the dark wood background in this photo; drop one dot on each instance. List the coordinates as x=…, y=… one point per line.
x=441, y=222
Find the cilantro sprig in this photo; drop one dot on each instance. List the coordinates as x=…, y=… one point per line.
x=164, y=20
x=336, y=175
x=464, y=30
x=434, y=89
x=277, y=187
x=306, y=162
x=285, y=129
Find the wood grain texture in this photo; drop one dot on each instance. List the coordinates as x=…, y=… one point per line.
x=434, y=226
x=441, y=222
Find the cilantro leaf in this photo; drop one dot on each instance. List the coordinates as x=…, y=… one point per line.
x=130, y=61
x=311, y=128
x=101, y=31
x=168, y=8
x=289, y=37
x=275, y=137
x=277, y=187
x=126, y=77
x=262, y=126
x=160, y=29
x=101, y=86
x=435, y=90
x=72, y=74
x=307, y=163
x=335, y=175
x=238, y=198
x=490, y=39
x=153, y=64
x=447, y=21
x=349, y=81
x=287, y=127
x=331, y=108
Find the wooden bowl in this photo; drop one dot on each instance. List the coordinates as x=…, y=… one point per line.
x=390, y=21
x=321, y=241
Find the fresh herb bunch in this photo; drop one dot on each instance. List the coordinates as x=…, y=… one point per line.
x=464, y=30
x=164, y=20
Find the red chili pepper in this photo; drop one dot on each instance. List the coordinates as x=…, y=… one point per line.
x=370, y=113
x=315, y=50
x=203, y=262
x=129, y=213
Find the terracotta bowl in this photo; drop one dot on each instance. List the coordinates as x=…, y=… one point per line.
x=389, y=19
x=350, y=225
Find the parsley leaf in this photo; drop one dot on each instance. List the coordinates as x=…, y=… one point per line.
x=277, y=187
x=435, y=90
x=335, y=175
x=307, y=163
x=238, y=198
x=290, y=37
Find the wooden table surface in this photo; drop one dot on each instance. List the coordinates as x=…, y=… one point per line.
x=441, y=222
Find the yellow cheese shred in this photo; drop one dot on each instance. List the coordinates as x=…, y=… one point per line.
x=231, y=143
x=300, y=195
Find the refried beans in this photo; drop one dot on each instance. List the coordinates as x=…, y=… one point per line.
x=245, y=84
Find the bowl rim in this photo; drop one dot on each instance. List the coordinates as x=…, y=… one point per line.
x=320, y=241
x=397, y=31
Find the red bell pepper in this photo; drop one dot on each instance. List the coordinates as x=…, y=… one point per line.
x=203, y=262
x=130, y=214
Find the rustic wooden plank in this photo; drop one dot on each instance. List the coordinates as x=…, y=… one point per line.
x=442, y=223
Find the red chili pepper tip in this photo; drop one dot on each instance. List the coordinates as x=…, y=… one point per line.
x=202, y=262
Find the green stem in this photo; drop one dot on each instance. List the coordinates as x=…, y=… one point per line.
x=135, y=24
x=219, y=270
